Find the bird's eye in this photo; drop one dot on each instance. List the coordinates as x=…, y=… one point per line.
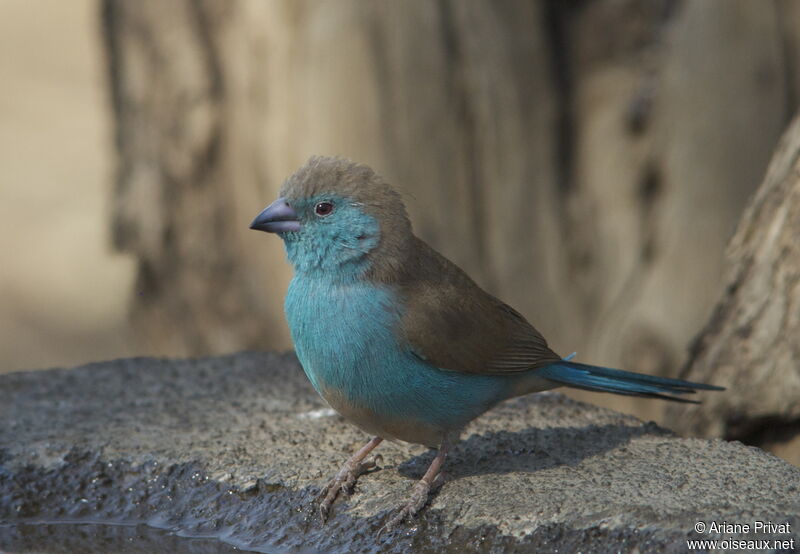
x=323, y=208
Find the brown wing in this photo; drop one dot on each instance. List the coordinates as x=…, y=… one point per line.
x=454, y=324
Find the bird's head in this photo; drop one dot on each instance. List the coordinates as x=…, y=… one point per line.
x=337, y=216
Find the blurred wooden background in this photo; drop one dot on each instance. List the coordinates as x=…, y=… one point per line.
x=64, y=293
x=586, y=161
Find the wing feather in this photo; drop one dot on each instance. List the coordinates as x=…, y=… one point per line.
x=452, y=323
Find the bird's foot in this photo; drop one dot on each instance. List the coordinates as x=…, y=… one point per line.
x=346, y=478
x=419, y=497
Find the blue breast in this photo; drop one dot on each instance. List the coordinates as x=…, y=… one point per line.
x=345, y=334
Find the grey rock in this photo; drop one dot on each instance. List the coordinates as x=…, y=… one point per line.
x=235, y=448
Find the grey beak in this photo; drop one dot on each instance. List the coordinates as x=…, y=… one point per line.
x=278, y=217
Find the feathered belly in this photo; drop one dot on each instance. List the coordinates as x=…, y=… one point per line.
x=345, y=339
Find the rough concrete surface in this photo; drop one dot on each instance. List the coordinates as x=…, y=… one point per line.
x=132, y=455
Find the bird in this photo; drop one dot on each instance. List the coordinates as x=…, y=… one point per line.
x=398, y=339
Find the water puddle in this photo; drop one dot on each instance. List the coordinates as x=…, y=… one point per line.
x=104, y=538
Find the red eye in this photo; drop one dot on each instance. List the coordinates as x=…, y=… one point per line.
x=323, y=208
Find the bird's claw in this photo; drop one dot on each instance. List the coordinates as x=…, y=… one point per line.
x=419, y=497
x=343, y=483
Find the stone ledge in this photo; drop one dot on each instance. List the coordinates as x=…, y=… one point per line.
x=235, y=447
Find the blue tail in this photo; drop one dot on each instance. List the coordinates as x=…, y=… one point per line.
x=604, y=379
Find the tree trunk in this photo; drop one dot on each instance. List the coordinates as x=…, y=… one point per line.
x=584, y=161
x=673, y=133
x=751, y=344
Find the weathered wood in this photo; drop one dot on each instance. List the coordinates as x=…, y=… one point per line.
x=751, y=344
x=585, y=161
x=676, y=121
x=187, y=178
x=449, y=100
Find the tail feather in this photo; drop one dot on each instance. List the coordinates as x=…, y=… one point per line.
x=604, y=379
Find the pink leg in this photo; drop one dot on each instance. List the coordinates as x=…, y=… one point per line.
x=347, y=476
x=421, y=491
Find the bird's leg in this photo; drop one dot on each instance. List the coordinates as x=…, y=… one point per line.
x=346, y=478
x=419, y=494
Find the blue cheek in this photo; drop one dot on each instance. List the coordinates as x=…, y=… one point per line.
x=337, y=245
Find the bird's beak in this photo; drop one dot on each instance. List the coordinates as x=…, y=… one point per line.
x=278, y=217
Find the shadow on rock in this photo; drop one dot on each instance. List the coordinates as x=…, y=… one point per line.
x=529, y=450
